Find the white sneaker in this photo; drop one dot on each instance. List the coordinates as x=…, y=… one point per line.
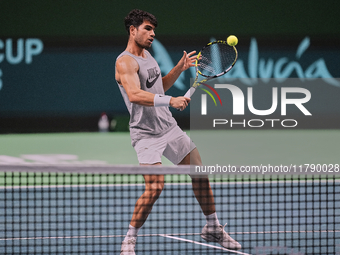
x=128, y=247
x=219, y=235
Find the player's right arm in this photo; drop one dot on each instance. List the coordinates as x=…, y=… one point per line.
x=127, y=76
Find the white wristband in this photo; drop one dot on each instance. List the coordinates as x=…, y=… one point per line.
x=161, y=100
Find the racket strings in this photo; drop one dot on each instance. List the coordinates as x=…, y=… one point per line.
x=216, y=59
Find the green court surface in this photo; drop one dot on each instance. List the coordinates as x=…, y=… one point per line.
x=109, y=148
x=243, y=147
x=67, y=149
x=275, y=147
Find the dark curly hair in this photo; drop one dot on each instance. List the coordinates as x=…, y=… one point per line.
x=137, y=17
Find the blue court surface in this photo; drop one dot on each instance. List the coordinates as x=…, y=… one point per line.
x=266, y=217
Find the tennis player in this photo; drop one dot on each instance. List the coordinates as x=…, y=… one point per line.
x=153, y=130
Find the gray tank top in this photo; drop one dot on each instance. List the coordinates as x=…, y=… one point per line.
x=146, y=121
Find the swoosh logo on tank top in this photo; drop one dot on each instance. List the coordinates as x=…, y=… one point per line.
x=149, y=84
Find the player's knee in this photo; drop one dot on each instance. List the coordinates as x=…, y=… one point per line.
x=155, y=189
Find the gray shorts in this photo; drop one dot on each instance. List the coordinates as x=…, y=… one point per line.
x=174, y=145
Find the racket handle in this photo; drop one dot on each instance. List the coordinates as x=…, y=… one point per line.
x=190, y=92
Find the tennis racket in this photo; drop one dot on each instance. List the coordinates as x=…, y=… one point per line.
x=214, y=60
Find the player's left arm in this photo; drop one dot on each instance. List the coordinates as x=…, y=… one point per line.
x=188, y=60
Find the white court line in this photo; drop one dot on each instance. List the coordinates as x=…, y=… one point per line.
x=167, y=184
x=286, y=232
x=204, y=244
x=174, y=234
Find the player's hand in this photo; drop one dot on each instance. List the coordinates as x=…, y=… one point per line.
x=188, y=60
x=179, y=103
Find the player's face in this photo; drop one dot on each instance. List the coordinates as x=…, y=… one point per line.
x=144, y=35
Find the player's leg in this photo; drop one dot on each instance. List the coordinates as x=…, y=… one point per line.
x=213, y=231
x=149, y=152
x=200, y=185
x=180, y=150
x=154, y=185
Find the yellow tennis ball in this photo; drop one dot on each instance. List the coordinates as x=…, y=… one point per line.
x=232, y=40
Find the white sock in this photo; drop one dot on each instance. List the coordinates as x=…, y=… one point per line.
x=132, y=233
x=212, y=220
